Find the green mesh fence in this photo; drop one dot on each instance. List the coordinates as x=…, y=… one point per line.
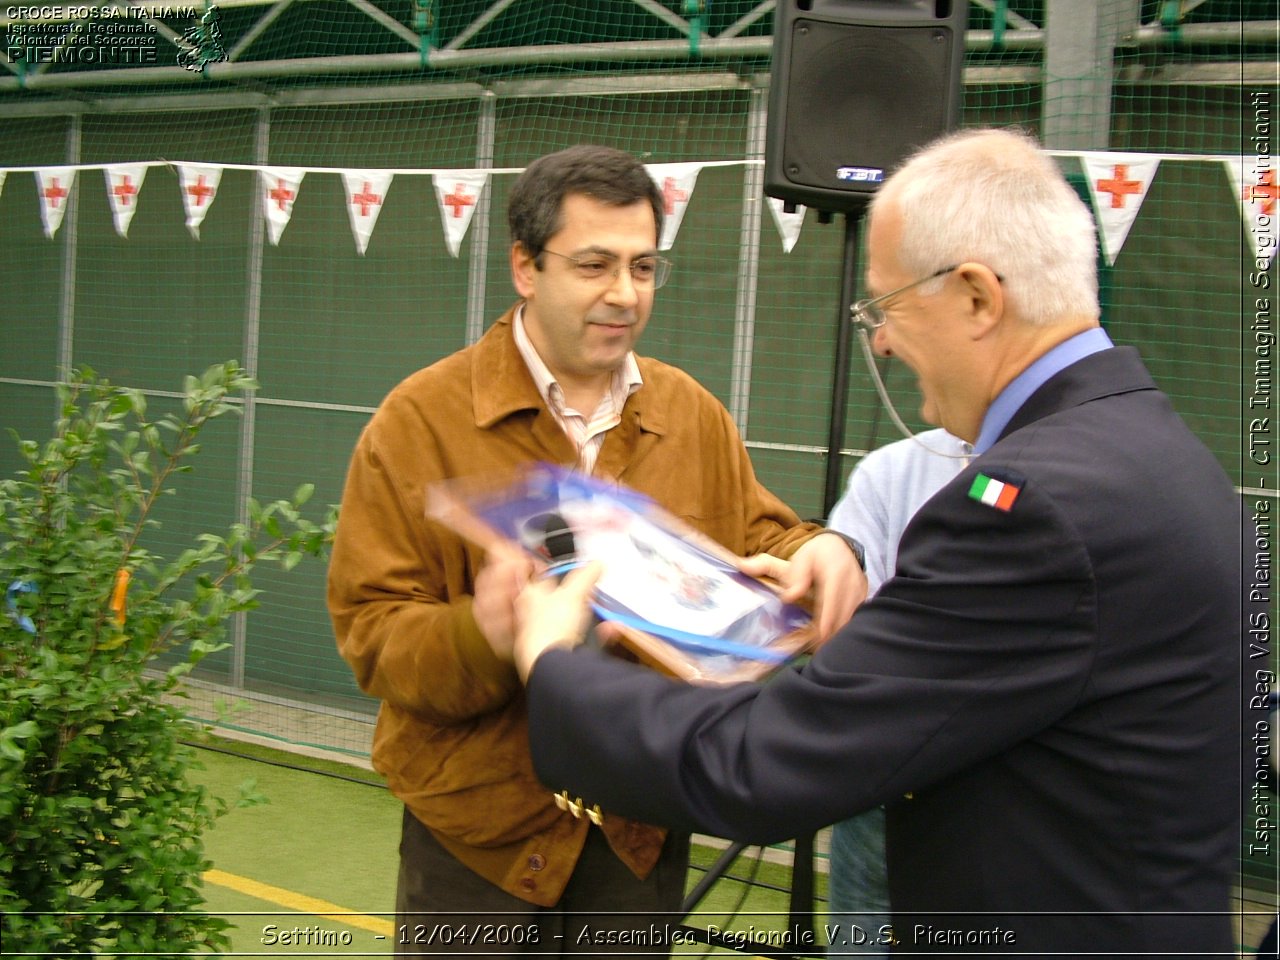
x=427, y=89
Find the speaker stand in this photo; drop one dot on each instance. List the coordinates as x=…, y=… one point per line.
x=801, y=904
x=843, y=351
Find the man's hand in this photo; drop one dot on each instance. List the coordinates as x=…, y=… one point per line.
x=553, y=615
x=824, y=565
x=499, y=582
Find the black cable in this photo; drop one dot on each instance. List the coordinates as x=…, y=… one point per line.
x=731, y=914
x=281, y=763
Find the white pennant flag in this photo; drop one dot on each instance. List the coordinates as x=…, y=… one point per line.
x=1254, y=183
x=279, y=186
x=1118, y=183
x=54, y=186
x=457, y=195
x=788, y=224
x=2, y=176
x=199, y=183
x=676, y=181
x=366, y=191
x=124, y=180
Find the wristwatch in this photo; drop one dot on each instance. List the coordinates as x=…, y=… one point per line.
x=859, y=551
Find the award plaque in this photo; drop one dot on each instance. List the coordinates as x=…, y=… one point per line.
x=678, y=600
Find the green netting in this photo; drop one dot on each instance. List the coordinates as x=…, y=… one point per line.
x=445, y=85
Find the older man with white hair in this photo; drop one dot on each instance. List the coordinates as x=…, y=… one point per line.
x=1044, y=694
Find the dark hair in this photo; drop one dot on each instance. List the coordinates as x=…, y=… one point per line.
x=602, y=173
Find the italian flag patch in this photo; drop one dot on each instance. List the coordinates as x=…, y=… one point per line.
x=994, y=493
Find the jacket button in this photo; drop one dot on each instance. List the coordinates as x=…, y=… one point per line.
x=527, y=884
x=537, y=862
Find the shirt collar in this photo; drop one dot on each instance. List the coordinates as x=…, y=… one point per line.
x=1030, y=380
x=626, y=379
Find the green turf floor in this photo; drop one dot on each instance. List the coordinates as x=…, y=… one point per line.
x=314, y=866
x=317, y=837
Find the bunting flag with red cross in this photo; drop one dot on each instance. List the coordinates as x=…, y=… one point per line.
x=788, y=224
x=199, y=184
x=53, y=184
x=1118, y=184
x=457, y=195
x=124, y=181
x=279, y=188
x=1253, y=181
x=366, y=193
x=676, y=181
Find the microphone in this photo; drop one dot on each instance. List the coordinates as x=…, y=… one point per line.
x=869, y=356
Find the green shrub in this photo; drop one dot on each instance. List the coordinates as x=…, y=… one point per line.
x=101, y=845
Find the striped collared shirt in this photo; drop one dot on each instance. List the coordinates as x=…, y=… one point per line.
x=587, y=433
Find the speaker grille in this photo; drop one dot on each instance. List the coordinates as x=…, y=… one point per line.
x=862, y=97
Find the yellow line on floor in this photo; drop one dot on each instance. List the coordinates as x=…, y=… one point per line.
x=300, y=902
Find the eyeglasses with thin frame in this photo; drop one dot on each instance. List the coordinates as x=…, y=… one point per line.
x=649, y=272
x=870, y=313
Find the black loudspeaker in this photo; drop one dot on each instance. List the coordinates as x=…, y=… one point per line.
x=856, y=87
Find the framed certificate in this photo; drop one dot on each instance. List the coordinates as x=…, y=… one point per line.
x=679, y=601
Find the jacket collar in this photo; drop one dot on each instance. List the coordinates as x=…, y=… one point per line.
x=1107, y=373
x=502, y=384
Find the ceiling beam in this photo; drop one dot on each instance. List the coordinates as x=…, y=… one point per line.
x=443, y=61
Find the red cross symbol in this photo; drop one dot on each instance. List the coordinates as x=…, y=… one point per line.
x=280, y=194
x=53, y=193
x=671, y=195
x=1118, y=186
x=124, y=190
x=365, y=199
x=200, y=190
x=459, y=199
x=1265, y=190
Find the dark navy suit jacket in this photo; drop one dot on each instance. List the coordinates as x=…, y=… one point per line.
x=1045, y=698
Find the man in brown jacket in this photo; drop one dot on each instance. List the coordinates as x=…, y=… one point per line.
x=489, y=862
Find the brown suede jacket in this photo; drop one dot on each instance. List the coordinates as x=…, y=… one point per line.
x=451, y=737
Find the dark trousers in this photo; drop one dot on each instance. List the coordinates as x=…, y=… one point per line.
x=443, y=907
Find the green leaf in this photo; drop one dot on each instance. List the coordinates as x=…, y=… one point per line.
x=99, y=812
x=121, y=404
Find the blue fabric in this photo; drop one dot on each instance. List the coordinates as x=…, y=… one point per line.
x=1030, y=380
x=885, y=490
x=858, y=892
x=17, y=588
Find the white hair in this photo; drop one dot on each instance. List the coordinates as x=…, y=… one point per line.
x=994, y=197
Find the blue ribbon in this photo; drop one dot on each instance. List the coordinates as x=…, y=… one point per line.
x=695, y=642
x=11, y=601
